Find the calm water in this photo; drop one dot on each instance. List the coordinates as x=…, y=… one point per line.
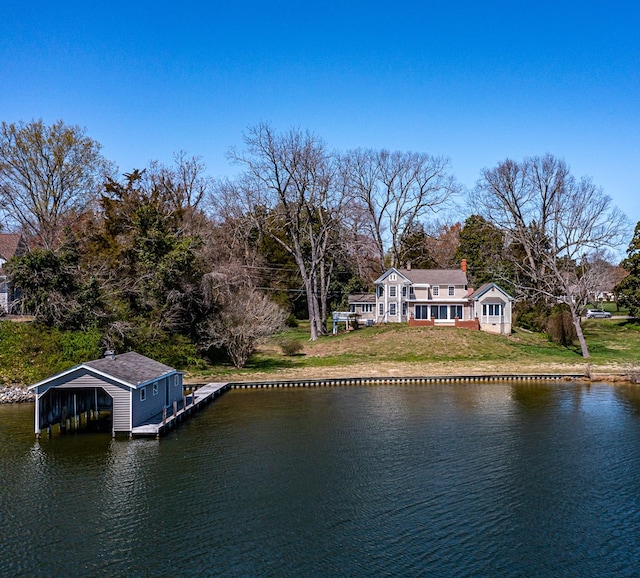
x=434, y=480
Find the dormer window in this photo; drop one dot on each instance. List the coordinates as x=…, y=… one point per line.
x=392, y=277
x=452, y=290
x=436, y=291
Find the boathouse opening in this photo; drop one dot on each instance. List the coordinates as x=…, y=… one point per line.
x=75, y=409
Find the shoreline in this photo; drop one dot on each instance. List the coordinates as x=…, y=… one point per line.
x=612, y=373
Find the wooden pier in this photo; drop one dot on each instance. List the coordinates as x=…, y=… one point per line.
x=159, y=424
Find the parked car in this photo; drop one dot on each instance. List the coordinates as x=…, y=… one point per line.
x=597, y=313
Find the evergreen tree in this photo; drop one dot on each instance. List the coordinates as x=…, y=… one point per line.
x=628, y=290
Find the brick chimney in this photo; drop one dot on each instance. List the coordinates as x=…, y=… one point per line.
x=463, y=265
x=408, y=265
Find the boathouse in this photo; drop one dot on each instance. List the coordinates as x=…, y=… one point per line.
x=128, y=387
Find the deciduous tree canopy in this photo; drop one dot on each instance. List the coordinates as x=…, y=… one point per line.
x=49, y=176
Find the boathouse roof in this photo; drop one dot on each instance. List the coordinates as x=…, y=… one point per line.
x=131, y=367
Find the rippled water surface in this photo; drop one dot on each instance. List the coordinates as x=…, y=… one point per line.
x=433, y=480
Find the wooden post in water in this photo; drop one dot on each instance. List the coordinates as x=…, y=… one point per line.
x=175, y=407
x=164, y=416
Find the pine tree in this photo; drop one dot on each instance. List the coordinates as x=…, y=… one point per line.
x=628, y=290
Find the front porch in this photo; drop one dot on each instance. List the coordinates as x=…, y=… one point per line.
x=459, y=323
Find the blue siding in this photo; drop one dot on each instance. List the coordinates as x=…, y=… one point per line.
x=153, y=404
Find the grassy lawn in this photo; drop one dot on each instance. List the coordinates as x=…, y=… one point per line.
x=28, y=354
x=396, y=349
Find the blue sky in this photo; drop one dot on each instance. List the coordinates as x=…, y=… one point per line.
x=474, y=81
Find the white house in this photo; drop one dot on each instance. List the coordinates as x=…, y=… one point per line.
x=436, y=297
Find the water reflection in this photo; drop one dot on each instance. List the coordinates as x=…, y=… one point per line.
x=440, y=479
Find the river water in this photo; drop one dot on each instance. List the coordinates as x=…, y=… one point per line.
x=420, y=480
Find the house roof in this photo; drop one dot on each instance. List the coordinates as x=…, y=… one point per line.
x=362, y=298
x=486, y=287
x=430, y=276
x=9, y=244
x=131, y=369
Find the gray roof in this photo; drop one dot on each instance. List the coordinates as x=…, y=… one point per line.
x=362, y=298
x=481, y=290
x=435, y=276
x=130, y=367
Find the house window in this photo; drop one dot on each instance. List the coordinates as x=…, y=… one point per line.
x=392, y=277
x=392, y=291
x=176, y=380
x=381, y=309
x=143, y=394
x=352, y=308
x=452, y=290
x=412, y=293
x=456, y=311
x=492, y=309
x=404, y=308
x=404, y=291
x=392, y=309
x=155, y=388
x=367, y=308
x=422, y=312
x=436, y=291
x=440, y=311
x=380, y=291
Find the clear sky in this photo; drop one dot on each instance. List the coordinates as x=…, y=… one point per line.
x=476, y=81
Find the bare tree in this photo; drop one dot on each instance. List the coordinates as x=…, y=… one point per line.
x=243, y=316
x=49, y=176
x=557, y=226
x=185, y=186
x=288, y=192
x=397, y=190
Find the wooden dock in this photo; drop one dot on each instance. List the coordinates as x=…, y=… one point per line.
x=169, y=418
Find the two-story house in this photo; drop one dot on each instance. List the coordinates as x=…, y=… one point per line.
x=422, y=296
x=439, y=297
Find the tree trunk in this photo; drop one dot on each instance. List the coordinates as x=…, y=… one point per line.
x=575, y=317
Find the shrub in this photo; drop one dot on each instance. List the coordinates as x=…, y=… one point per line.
x=291, y=321
x=290, y=346
x=560, y=328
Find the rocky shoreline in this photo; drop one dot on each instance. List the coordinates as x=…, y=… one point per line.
x=15, y=394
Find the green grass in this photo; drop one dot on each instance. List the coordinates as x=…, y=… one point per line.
x=609, y=341
x=29, y=353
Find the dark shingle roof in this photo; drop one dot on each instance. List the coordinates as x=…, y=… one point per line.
x=130, y=367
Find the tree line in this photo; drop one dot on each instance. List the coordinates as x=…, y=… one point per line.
x=169, y=254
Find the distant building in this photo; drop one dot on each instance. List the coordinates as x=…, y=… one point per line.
x=11, y=245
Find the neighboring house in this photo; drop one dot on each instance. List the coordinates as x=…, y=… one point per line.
x=492, y=306
x=11, y=245
x=437, y=297
x=364, y=307
x=130, y=386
